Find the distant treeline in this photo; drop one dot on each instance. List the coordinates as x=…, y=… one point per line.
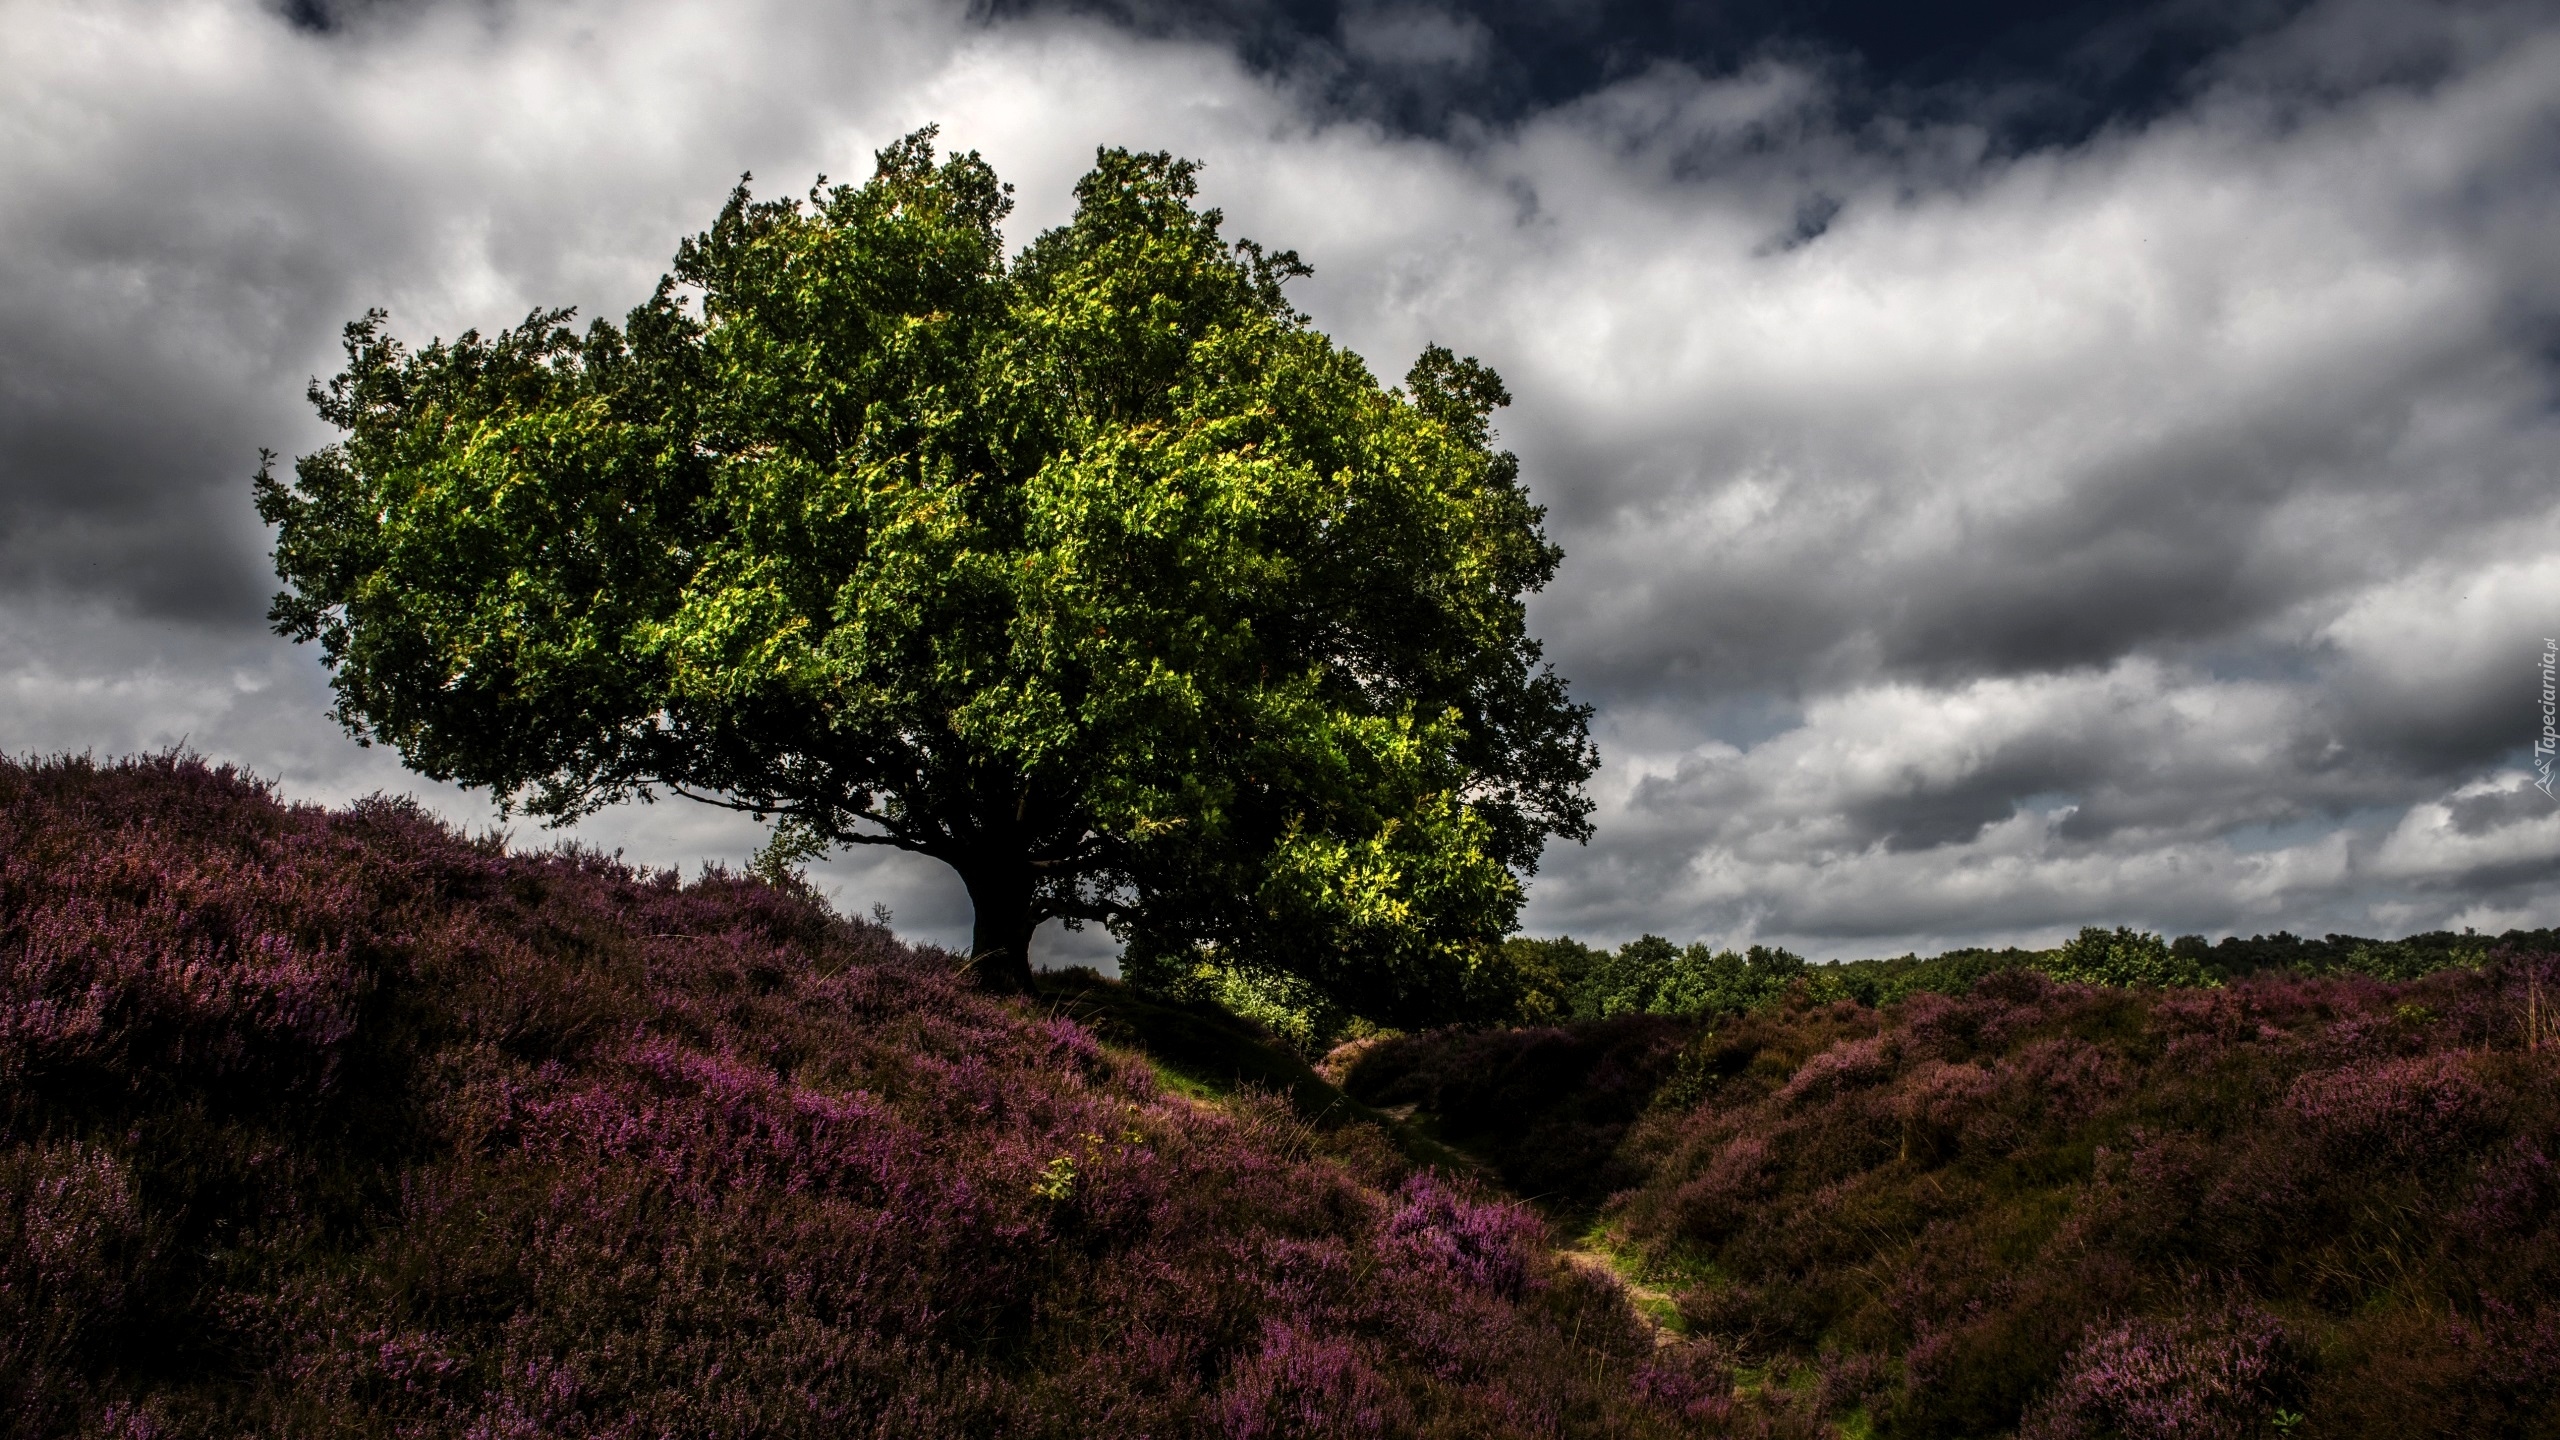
x=1563, y=979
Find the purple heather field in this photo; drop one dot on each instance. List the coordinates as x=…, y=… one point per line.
x=338, y=1122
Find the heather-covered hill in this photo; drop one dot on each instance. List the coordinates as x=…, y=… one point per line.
x=2304, y=1206
x=336, y=1123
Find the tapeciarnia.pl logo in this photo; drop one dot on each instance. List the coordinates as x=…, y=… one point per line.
x=2549, y=742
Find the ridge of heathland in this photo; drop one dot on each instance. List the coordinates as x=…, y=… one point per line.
x=341, y=1122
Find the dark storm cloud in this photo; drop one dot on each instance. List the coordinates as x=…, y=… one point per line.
x=90, y=505
x=113, y=449
x=2019, y=466
x=2031, y=73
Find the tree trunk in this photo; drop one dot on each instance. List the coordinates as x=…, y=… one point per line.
x=1000, y=943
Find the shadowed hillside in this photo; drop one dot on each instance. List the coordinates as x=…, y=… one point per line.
x=335, y=1123
x=2304, y=1206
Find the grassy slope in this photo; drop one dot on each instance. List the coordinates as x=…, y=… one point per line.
x=335, y=1123
x=2315, y=1207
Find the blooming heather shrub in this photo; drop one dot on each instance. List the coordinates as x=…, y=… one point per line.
x=1696, y=1381
x=1845, y=1066
x=73, y=1242
x=1939, y=1103
x=1721, y=1197
x=2404, y=1109
x=1489, y=1247
x=2221, y=1375
x=1302, y=1386
x=335, y=1122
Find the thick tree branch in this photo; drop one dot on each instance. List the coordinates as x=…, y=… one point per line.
x=896, y=837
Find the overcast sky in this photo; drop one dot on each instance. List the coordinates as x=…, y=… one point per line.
x=2014, y=471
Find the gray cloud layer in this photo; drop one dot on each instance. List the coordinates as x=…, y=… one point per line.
x=1962, y=544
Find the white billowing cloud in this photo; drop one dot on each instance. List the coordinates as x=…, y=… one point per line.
x=2501, y=823
x=1961, y=546
x=2450, y=644
x=2141, y=794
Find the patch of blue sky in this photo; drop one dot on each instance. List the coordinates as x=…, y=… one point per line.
x=2260, y=839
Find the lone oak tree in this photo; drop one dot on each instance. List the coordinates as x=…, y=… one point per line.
x=1099, y=575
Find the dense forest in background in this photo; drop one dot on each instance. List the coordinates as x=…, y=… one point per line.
x=1565, y=979
x=336, y=1123
x=1535, y=981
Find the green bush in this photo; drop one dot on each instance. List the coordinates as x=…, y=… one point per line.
x=2404, y=960
x=2125, y=958
x=1547, y=975
x=1651, y=976
x=1881, y=982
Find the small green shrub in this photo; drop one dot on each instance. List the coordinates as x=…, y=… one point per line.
x=1547, y=975
x=2125, y=958
x=1651, y=976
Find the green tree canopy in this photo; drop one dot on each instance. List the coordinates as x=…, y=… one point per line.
x=2126, y=957
x=1098, y=574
